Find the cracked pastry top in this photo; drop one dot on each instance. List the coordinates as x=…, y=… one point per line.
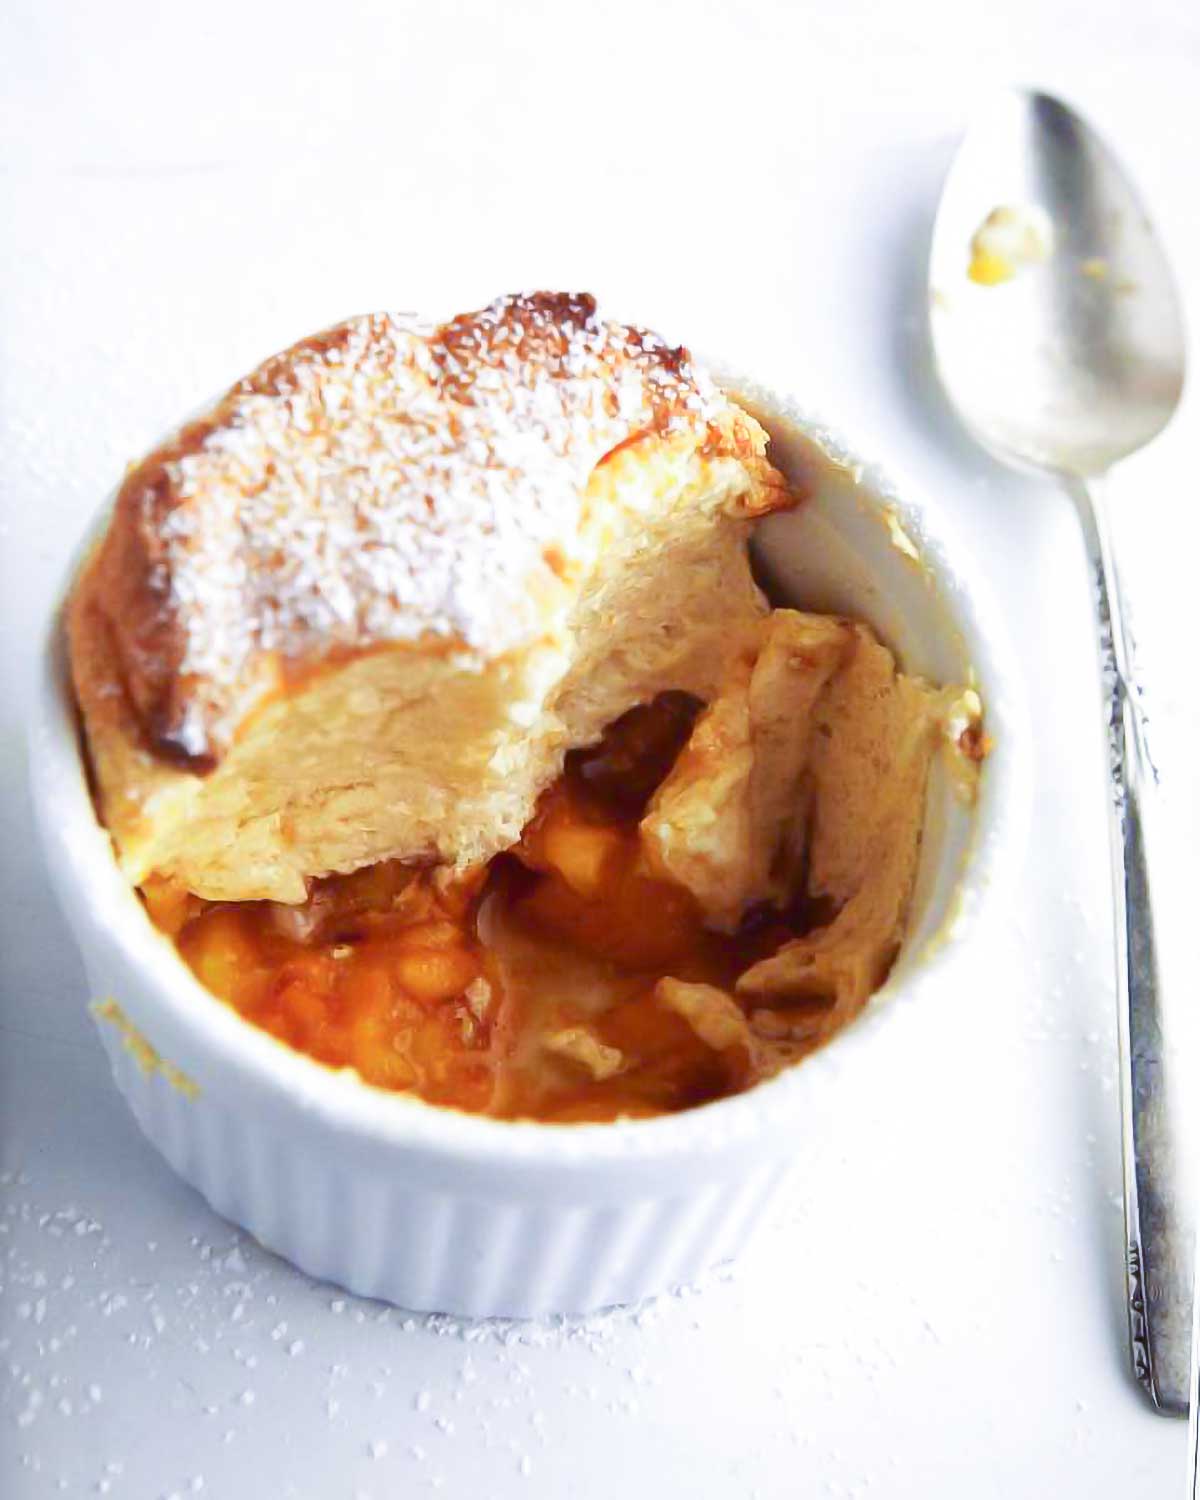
x=362, y=608
x=432, y=705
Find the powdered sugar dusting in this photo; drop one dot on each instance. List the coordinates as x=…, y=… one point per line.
x=386, y=482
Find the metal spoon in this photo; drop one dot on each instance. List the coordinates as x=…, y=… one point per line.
x=1058, y=334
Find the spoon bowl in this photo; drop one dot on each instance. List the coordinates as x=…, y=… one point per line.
x=1069, y=354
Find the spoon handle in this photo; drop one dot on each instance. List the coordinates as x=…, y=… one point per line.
x=1158, y=1222
x=1193, y=1489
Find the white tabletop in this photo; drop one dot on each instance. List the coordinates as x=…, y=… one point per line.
x=936, y=1309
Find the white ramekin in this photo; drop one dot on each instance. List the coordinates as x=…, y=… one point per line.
x=438, y=1210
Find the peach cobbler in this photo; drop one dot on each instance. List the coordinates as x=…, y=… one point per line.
x=433, y=708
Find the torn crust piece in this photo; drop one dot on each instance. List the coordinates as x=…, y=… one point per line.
x=727, y=822
x=875, y=731
x=580, y=1046
x=363, y=607
x=718, y=1022
x=715, y=1017
x=804, y=781
x=815, y=983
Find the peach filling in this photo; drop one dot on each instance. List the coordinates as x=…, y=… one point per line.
x=561, y=982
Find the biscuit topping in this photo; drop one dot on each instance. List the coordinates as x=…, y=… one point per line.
x=385, y=481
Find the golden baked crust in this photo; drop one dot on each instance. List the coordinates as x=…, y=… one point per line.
x=363, y=608
x=380, y=482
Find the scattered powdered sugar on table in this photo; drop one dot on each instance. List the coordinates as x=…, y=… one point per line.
x=213, y=1308
x=398, y=1395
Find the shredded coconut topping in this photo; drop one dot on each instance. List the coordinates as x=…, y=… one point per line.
x=385, y=481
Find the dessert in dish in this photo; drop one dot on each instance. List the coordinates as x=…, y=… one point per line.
x=433, y=707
